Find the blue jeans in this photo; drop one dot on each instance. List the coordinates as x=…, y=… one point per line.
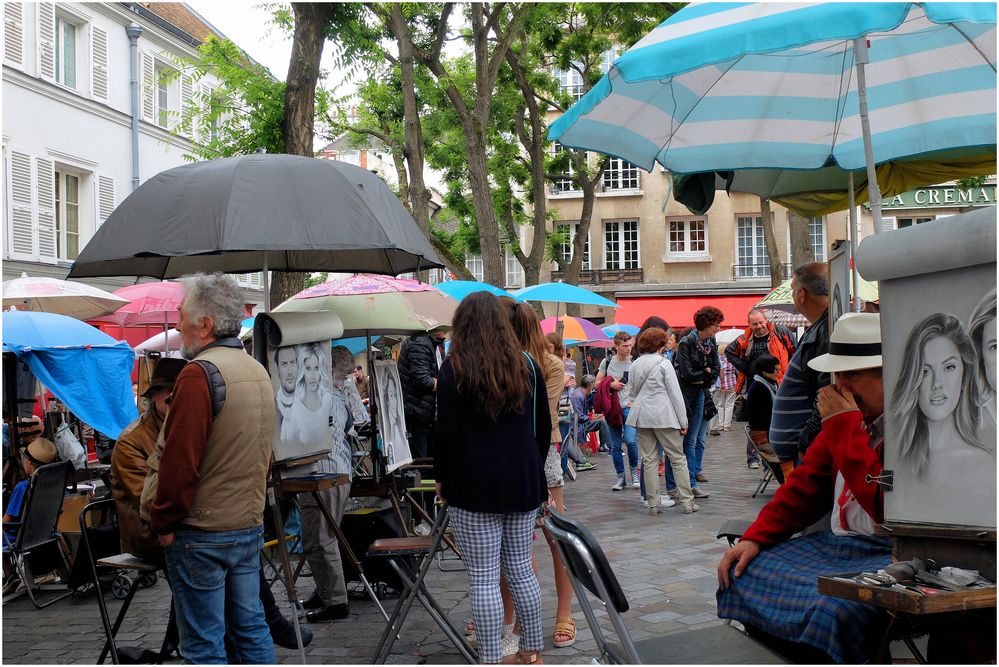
x=693, y=442
x=630, y=436
x=215, y=582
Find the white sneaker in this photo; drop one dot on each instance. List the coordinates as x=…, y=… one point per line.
x=618, y=485
x=654, y=510
x=690, y=507
x=666, y=501
x=635, y=479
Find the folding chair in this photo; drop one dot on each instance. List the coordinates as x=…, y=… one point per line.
x=401, y=553
x=38, y=547
x=768, y=473
x=116, y=562
x=590, y=573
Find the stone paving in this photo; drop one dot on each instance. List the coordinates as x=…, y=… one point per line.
x=665, y=565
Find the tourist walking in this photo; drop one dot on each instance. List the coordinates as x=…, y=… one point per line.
x=723, y=394
x=612, y=387
x=697, y=366
x=492, y=437
x=659, y=415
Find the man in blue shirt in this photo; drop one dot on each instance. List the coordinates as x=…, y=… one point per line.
x=40, y=452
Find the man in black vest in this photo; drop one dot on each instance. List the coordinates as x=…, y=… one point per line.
x=419, y=362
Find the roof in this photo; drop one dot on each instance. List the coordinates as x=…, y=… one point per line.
x=181, y=16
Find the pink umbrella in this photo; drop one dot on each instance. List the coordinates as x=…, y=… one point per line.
x=64, y=297
x=151, y=303
x=364, y=283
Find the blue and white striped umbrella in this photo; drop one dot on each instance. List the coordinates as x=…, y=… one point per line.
x=772, y=85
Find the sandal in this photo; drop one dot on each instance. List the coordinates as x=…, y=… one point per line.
x=567, y=628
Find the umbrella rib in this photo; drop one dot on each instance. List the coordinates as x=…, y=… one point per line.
x=974, y=46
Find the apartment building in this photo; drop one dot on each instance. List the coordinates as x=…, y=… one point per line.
x=67, y=114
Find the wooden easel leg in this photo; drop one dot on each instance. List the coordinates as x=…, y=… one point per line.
x=289, y=577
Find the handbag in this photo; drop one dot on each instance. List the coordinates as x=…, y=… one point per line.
x=69, y=447
x=740, y=409
x=710, y=409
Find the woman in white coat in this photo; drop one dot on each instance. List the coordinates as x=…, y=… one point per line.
x=659, y=415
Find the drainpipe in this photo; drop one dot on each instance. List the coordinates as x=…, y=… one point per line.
x=133, y=31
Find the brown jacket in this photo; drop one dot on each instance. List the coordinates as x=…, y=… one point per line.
x=128, y=473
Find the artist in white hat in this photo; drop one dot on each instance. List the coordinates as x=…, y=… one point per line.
x=773, y=589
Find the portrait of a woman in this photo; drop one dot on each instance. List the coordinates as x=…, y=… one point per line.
x=310, y=413
x=982, y=329
x=936, y=416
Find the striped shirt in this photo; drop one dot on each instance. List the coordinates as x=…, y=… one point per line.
x=728, y=375
x=795, y=400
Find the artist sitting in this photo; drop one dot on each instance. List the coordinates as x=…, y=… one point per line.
x=773, y=585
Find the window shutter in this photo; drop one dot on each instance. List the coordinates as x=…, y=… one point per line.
x=46, y=40
x=105, y=198
x=13, y=33
x=148, y=87
x=186, y=97
x=99, y=64
x=22, y=243
x=45, y=192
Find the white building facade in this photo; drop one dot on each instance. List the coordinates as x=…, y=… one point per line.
x=67, y=114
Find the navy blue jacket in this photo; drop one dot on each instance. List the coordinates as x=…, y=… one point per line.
x=485, y=465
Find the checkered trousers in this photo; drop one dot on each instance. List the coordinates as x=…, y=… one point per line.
x=488, y=541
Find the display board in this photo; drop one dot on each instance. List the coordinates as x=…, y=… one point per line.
x=296, y=350
x=391, y=416
x=938, y=303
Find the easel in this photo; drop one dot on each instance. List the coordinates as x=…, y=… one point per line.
x=311, y=484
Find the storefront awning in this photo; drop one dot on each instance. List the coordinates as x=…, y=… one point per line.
x=678, y=311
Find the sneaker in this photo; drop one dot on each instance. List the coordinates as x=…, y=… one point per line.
x=584, y=466
x=422, y=529
x=653, y=510
x=690, y=507
x=635, y=478
x=645, y=503
x=726, y=427
x=714, y=431
x=700, y=477
x=698, y=493
x=314, y=602
x=673, y=493
x=570, y=470
x=755, y=465
x=666, y=501
x=283, y=634
x=618, y=485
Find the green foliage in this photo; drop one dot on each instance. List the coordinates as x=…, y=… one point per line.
x=316, y=278
x=240, y=114
x=971, y=182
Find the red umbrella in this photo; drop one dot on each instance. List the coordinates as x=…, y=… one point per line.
x=151, y=303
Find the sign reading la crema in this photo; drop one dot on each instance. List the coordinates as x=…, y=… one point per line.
x=942, y=196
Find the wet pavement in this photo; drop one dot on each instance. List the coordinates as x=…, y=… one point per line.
x=665, y=564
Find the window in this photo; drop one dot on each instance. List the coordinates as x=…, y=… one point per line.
x=474, y=265
x=514, y=272
x=65, y=52
x=620, y=175
x=608, y=57
x=565, y=250
x=621, y=244
x=162, y=94
x=563, y=184
x=67, y=215
x=909, y=222
x=571, y=82
x=817, y=236
x=752, y=259
x=686, y=237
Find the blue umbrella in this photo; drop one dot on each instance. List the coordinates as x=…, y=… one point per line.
x=355, y=345
x=721, y=87
x=84, y=367
x=459, y=289
x=612, y=329
x=562, y=293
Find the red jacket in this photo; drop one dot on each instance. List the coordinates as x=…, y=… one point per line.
x=780, y=346
x=607, y=403
x=842, y=445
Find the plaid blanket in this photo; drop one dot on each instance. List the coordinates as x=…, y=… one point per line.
x=778, y=593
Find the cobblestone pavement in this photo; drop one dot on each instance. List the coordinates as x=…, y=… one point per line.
x=665, y=565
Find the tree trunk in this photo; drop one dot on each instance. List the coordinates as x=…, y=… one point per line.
x=801, y=242
x=770, y=239
x=311, y=20
x=589, y=189
x=419, y=196
x=493, y=269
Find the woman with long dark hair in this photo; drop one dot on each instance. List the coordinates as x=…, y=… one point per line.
x=492, y=437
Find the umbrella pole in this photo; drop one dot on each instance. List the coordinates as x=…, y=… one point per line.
x=873, y=190
x=854, y=241
x=374, y=452
x=267, y=287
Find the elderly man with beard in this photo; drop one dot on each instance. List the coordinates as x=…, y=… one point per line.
x=209, y=498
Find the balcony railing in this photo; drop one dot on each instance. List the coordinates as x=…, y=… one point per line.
x=747, y=271
x=605, y=276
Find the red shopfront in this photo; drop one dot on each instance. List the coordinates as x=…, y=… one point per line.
x=678, y=311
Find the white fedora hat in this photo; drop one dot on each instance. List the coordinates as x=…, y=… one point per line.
x=854, y=344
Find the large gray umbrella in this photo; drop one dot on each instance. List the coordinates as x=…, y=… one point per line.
x=258, y=212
